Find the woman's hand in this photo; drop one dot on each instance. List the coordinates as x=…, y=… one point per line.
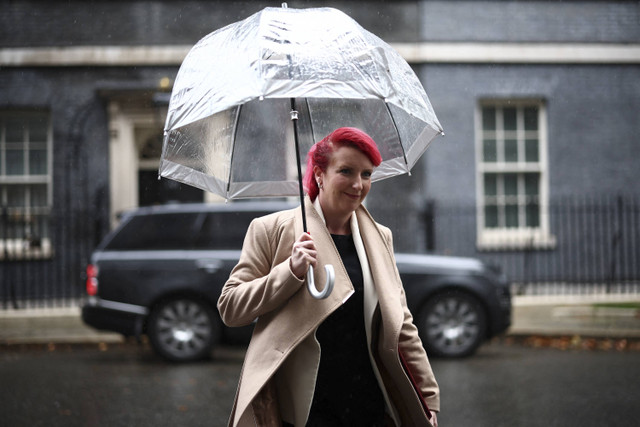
x=303, y=254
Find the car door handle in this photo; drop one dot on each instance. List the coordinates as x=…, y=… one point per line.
x=209, y=265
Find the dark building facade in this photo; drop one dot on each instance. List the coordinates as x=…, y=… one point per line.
x=536, y=173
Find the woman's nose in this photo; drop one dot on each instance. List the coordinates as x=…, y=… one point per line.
x=357, y=183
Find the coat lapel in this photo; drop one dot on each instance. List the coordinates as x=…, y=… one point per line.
x=385, y=277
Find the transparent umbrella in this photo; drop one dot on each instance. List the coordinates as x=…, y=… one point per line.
x=251, y=99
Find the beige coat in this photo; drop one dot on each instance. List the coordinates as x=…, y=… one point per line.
x=278, y=376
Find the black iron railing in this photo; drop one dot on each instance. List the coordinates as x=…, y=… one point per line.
x=592, y=244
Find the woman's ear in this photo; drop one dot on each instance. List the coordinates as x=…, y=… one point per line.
x=317, y=173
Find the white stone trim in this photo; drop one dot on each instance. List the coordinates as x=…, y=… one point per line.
x=421, y=52
x=529, y=53
x=93, y=56
x=124, y=156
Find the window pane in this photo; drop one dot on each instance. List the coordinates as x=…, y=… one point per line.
x=152, y=148
x=510, y=184
x=531, y=150
x=531, y=118
x=41, y=226
x=157, y=232
x=511, y=216
x=38, y=127
x=489, y=150
x=38, y=162
x=489, y=118
x=15, y=162
x=24, y=151
x=531, y=187
x=14, y=129
x=16, y=196
x=491, y=216
x=225, y=230
x=510, y=121
x=490, y=184
x=511, y=134
x=533, y=215
x=38, y=196
x=510, y=150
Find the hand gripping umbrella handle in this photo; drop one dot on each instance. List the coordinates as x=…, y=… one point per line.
x=328, y=286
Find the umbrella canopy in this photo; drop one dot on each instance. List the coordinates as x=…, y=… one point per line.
x=229, y=129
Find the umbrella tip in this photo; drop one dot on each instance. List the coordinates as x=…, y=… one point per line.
x=442, y=133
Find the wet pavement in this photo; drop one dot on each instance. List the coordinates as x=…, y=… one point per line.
x=577, y=319
x=113, y=385
x=514, y=385
x=588, y=317
x=504, y=384
x=532, y=316
x=564, y=362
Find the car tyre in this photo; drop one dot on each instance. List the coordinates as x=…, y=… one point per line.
x=183, y=330
x=452, y=324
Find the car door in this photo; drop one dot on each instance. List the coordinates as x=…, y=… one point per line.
x=151, y=255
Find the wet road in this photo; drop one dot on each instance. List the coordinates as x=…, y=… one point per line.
x=122, y=386
x=522, y=386
x=126, y=385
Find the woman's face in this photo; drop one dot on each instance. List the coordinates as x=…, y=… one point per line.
x=345, y=183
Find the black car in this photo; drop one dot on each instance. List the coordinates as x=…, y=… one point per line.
x=160, y=273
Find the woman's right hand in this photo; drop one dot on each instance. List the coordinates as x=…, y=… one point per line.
x=303, y=254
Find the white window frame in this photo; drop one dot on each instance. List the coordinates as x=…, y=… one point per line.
x=22, y=248
x=521, y=237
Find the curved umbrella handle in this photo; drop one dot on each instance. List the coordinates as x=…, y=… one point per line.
x=328, y=286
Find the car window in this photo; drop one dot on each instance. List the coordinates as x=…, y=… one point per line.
x=157, y=232
x=225, y=230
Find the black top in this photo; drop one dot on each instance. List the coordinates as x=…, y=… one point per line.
x=347, y=392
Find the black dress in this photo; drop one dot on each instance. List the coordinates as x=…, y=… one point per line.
x=347, y=392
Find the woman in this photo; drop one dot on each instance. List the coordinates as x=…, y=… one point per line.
x=352, y=359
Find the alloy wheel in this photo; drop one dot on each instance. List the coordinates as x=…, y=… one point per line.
x=453, y=324
x=183, y=330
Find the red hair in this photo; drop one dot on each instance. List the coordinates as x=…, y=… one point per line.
x=321, y=152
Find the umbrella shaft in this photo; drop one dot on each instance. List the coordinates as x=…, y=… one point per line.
x=294, y=119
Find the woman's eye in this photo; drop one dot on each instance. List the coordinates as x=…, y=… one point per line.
x=366, y=174
x=345, y=171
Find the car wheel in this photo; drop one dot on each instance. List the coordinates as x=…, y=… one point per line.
x=183, y=330
x=452, y=324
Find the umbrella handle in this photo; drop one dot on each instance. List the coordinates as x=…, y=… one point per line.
x=328, y=286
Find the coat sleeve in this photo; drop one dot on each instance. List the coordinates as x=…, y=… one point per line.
x=262, y=280
x=412, y=351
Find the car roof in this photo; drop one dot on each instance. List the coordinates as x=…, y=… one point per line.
x=234, y=206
